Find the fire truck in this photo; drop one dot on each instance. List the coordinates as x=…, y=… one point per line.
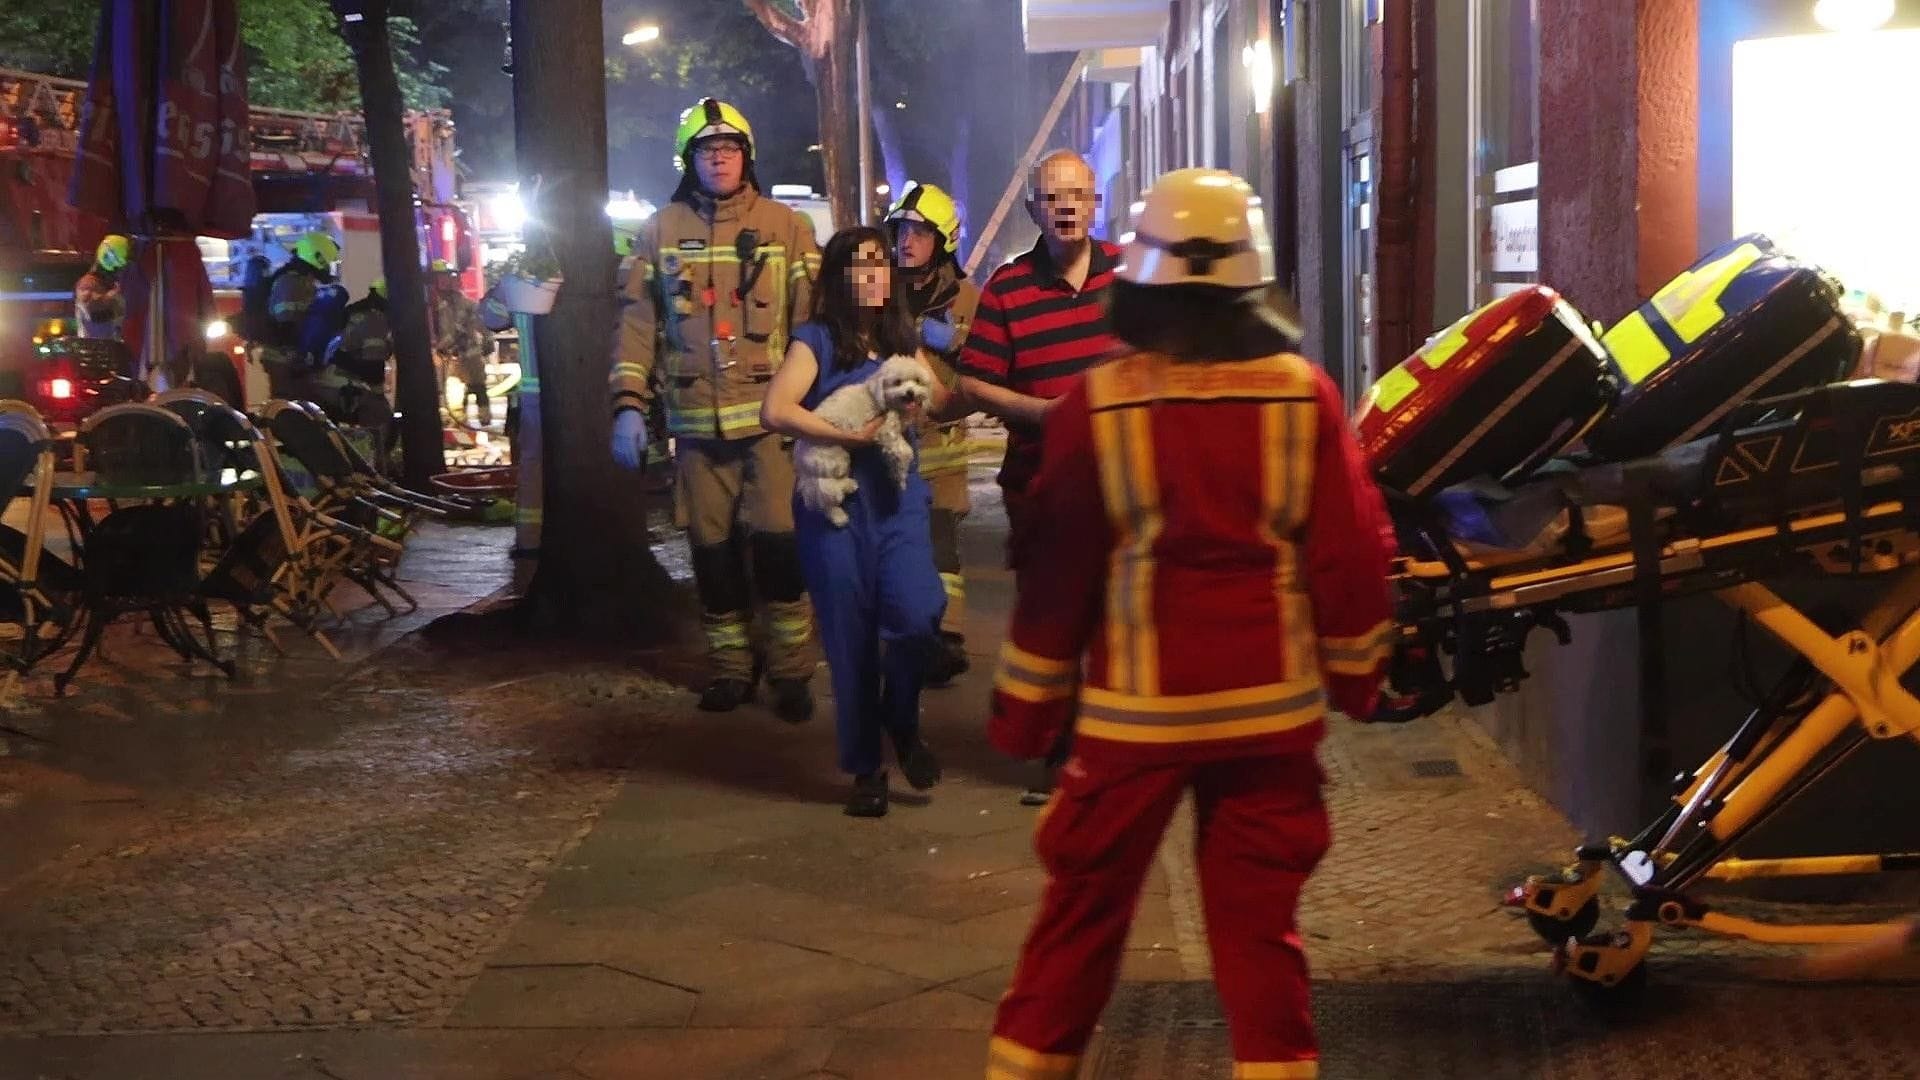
x=311, y=171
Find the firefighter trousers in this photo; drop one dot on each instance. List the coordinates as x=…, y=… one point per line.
x=719, y=484
x=1260, y=829
x=945, y=532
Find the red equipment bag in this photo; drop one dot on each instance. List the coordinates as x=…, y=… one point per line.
x=1745, y=322
x=1496, y=394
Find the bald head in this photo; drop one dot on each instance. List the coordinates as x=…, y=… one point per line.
x=1062, y=195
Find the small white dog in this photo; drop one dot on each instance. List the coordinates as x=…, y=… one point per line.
x=823, y=474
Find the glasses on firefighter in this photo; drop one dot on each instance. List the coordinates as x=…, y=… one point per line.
x=720, y=149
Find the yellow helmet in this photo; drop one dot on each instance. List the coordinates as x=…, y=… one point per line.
x=114, y=253
x=439, y=266
x=379, y=287
x=1199, y=227
x=317, y=250
x=928, y=204
x=708, y=118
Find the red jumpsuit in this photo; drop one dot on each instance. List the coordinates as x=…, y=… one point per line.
x=1210, y=576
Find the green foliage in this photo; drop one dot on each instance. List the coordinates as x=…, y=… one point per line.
x=298, y=58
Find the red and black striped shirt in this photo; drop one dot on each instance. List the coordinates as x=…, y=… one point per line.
x=1035, y=335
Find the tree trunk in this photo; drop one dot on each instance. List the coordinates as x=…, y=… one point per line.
x=824, y=35
x=596, y=571
x=381, y=104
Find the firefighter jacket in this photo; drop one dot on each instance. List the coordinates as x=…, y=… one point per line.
x=98, y=306
x=1210, y=570
x=715, y=290
x=363, y=349
x=457, y=329
x=948, y=296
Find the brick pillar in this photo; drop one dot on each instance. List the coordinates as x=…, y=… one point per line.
x=1618, y=121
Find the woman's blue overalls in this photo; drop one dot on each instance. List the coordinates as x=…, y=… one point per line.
x=876, y=594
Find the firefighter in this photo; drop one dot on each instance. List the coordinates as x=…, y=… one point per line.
x=721, y=274
x=1208, y=539
x=925, y=224
x=292, y=292
x=353, y=383
x=97, y=304
x=459, y=335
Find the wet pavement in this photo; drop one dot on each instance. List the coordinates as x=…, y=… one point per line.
x=436, y=861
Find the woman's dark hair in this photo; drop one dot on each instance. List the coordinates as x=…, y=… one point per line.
x=1202, y=322
x=856, y=330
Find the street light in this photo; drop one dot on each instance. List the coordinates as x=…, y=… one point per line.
x=882, y=189
x=641, y=35
x=1845, y=15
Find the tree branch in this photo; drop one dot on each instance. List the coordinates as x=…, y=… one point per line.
x=781, y=25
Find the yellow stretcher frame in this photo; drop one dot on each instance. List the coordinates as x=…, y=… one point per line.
x=1759, y=769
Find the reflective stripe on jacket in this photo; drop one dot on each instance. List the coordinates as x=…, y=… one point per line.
x=1227, y=504
x=702, y=324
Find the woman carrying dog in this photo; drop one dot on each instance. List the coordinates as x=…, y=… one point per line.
x=876, y=594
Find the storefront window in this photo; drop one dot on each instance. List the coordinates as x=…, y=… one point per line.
x=1506, y=145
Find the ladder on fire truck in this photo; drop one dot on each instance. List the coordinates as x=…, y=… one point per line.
x=43, y=112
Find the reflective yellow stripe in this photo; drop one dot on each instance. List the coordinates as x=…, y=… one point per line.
x=1637, y=350
x=1008, y=1060
x=725, y=633
x=944, y=457
x=1035, y=679
x=1104, y=721
x=729, y=420
x=955, y=584
x=1359, y=654
x=1276, y=1070
x=793, y=631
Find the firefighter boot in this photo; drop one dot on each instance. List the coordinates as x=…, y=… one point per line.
x=869, y=798
x=725, y=694
x=792, y=700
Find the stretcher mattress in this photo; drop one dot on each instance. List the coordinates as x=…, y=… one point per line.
x=1496, y=394
x=1747, y=321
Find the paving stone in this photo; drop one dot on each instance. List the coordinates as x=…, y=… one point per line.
x=571, y=996
x=820, y=991
x=749, y=1053
x=933, y=1010
x=923, y=1055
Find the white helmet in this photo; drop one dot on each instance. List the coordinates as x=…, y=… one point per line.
x=1199, y=227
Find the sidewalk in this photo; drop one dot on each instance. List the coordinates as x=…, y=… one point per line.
x=519, y=868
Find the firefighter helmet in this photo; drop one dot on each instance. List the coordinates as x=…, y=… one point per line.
x=114, y=253
x=317, y=250
x=933, y=207
x=706, y=119
x=378, y=288
x=1199, y=227
x=440, y=266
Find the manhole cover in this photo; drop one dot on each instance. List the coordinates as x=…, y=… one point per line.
x=1435, y=768
x=1495, y=1029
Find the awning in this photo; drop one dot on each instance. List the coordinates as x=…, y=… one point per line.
x=1072, y=25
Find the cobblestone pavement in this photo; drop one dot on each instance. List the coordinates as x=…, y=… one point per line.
x=318, y=844
x=555, y=868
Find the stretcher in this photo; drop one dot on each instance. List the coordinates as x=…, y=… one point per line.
x=1819, y=482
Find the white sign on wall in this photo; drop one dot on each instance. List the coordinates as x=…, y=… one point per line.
x=1516, y=237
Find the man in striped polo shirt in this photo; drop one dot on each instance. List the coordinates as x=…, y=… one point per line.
x=1042, y=322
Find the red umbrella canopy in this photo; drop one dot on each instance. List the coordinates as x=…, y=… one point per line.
x=164, y=156
x=164, y=137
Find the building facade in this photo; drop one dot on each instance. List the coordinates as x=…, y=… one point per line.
x=1421, y=157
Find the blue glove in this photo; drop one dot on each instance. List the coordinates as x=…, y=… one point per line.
x=937, y=334
x=629, y=438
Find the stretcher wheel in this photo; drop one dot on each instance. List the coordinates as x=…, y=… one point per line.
x=1556, y=931
x=1629, y=989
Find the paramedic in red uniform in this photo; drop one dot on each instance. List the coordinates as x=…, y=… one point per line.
x=1207, y=538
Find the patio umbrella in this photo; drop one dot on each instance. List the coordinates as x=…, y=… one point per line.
x=163, y=157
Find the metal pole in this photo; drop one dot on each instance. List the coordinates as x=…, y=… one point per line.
x=864, y=95
x=1019, y=177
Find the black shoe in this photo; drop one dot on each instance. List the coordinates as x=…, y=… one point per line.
x=725, y=695
x=792, y=700
x=949, y=661
x=918, y=764
x=869, y=798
